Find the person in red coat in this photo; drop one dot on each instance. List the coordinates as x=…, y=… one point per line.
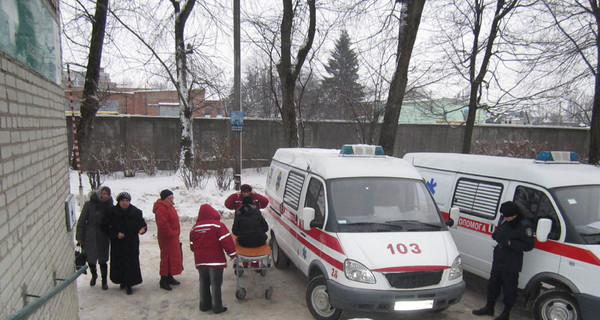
x=167, y=223
x=234, y=201
x=208, y=238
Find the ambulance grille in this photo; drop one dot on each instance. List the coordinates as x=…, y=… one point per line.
x=417, y=279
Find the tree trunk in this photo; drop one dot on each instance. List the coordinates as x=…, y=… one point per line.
x=90, y=102
x=477, y=80
x=407, y=33
x=186, y=155
x=288, y=73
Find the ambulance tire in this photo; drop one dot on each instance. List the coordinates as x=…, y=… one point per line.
x=556, y=304
x=317, y=300
x=280, y=260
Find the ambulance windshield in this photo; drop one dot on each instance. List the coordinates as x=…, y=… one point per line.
x=581, y=205
x=375, y=204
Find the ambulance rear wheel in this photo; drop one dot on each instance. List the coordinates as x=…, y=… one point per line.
x=556, y=305
x=317, y=300
x=280, y=260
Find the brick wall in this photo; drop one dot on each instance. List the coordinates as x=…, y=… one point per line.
x=34, y=242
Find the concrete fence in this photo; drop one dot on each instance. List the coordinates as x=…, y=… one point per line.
x=260, y=137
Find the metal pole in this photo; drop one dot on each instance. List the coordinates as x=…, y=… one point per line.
x=75, y=140
x=237, y=86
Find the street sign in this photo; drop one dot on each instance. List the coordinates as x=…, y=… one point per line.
x=237, y=120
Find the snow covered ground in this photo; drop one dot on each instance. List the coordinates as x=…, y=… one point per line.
x=144, y=191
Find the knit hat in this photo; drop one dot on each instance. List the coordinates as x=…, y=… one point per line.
x=123, y=195
x=245, y=188
x=165, y=194
x=509, y=209
x=247, y=200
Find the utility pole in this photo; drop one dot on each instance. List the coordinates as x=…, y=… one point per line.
x=237, y=89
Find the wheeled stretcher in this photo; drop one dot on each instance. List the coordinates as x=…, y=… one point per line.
x=252, y=259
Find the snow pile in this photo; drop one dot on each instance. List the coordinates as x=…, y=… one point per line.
x=144, y=191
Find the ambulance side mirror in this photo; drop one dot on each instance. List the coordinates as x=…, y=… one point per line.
x=308, y=215
x=542, y=231
x=454, y=216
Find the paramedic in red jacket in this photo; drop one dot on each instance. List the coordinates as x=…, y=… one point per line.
x=208, y=238
x=167, y=223
x=234, y=201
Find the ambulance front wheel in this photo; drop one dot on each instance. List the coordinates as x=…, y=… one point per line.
x=279, y=258
x=556, y=304
x=317, y=300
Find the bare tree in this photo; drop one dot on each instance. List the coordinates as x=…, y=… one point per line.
x=577, y=47
x=91, y=104
x=288, y=71
x=407, y=32
x=182, y=12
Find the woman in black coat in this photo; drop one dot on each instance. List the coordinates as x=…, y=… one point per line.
x=123, y=225
x=94, y=242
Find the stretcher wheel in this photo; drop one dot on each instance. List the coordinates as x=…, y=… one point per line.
x=269, y=293
x=240, y=293
x=238, y=272
x=263, y=272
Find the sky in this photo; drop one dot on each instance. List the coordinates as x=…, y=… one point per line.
x=144, y=191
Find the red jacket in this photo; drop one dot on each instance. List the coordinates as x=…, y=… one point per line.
x=209, y=237
x=167, y=223
x=234, y=201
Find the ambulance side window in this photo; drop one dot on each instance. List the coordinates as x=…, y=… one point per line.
x=477, y=197
x=535, y=205
x=315, y=198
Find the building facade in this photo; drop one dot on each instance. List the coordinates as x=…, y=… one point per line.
x=36, y=246
x=140, y=101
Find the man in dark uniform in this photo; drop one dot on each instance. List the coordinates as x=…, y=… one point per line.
x=514, y=236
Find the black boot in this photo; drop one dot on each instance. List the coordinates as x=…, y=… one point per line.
x=164, y=283
x=94, y=274
x=504, y=315
x=172, y=281
x=103, y=273
x=485, y=311
x=129, y=290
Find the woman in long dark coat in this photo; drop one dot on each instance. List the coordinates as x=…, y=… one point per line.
x=123, y=225
x=93, y=241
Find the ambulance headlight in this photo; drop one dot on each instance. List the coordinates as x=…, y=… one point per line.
x=456, y=270
x=357, y=272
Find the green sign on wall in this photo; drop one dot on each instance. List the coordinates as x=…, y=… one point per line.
x=30, y=35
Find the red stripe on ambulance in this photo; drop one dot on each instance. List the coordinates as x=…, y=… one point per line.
x=332, y=261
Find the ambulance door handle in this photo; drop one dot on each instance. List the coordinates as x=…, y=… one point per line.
x=303, y=234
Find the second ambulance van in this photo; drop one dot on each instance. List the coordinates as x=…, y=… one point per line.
x=561, y=197
x=364, y=229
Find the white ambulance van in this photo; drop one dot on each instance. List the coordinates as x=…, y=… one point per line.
x=560, y=196
x=363, y=228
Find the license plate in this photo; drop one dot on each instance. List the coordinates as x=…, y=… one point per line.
x=413, y=305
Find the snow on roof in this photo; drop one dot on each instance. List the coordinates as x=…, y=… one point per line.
x=328, y=163
x=548, y=175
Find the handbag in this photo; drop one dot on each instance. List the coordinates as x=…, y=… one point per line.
x=80, y=258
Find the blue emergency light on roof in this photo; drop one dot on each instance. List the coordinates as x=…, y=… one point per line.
x=361, y=150
x=557, y=157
